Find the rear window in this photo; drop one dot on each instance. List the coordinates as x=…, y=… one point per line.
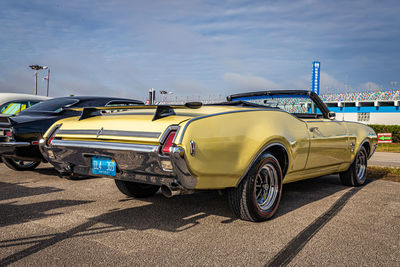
x=12, y=108
x=53, y=105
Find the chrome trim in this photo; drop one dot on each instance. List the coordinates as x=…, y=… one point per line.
x=361, y=145
x=105, y=145
x=262, y=150
x=14, y=144
x=192, y=147
x=100, y=132
x=167, y=131
x=112, y=132
x=212, y=115
x=181, y=169
x=53, y=130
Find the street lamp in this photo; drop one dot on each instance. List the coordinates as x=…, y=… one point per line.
x=163, y=93
x=47, y=78
x=36, y=68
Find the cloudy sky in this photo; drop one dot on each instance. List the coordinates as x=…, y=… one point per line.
x=195, y=47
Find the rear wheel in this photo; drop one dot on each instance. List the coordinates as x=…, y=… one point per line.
x=357, y=172
x=258, y=195
x=20, y=165
x=137, y=190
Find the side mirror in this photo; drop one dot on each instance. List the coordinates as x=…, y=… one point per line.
x=331, y=115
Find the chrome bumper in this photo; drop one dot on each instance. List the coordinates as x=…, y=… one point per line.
x=10, y=147
x=135, y=162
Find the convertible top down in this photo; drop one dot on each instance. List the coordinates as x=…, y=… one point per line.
x=249, y=145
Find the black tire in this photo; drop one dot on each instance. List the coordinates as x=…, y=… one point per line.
x=356, y=174
x=257, y=196
x=20, y=165
x=137, y=190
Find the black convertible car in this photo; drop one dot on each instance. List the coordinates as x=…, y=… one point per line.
x=20, y=134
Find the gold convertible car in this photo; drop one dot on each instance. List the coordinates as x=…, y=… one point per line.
x=249, y=145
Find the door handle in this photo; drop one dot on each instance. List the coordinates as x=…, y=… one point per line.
x=312, y=129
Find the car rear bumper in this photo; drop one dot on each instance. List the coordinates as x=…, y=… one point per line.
x=20, y=150
x=135, y=162
x=10, y=148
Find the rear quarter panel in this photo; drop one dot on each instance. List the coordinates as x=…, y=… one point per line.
x=227, y=144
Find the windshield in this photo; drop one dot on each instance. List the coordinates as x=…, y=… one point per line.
x=288, y=103
x=52, y=105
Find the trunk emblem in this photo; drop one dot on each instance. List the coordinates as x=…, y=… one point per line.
x=100, y=132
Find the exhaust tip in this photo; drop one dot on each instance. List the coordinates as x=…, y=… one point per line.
x=166, y=191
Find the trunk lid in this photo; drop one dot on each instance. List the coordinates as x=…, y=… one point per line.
x=136, y=125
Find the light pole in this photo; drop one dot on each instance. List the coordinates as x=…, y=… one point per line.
x=47, y=78
x=36, y=68
x=163, y=93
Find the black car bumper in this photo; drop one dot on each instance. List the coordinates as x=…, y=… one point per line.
x=10, y=148
x=20, y=150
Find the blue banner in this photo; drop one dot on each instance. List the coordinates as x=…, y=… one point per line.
x=315, y=76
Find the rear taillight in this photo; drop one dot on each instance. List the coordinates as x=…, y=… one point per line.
x=7, y=133
x=52, y=134
x=168, y=142
x=50, y=140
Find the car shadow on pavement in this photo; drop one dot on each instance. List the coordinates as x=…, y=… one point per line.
x=53, y=172
x=173, y=215
x=181, y=213
x=298, y=194
x=50, y=171
x=12, y=213
x=17, y=190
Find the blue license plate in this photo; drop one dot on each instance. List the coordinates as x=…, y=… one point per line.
x=104, y=166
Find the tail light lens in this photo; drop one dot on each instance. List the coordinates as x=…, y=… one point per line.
x=50, y=140
x=168, y=143
x=52, y=134
x=7, y=133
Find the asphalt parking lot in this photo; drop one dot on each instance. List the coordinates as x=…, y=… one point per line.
x=48, y=221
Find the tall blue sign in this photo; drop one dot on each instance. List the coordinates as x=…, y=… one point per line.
x=316, y=67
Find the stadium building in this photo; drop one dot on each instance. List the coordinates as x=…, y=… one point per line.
x=366, y=107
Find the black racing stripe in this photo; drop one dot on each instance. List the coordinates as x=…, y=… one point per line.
x=112, y=132
x=287, y=254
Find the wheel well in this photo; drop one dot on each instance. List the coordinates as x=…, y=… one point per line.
x=280, y=153
x=367, y=147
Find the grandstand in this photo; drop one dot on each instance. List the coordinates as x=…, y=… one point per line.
x=362, y=96
x=376, y=107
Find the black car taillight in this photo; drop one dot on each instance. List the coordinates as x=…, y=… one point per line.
x=168, y=142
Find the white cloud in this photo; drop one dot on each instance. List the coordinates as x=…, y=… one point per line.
x=249, y=82
x=328, y=83
x=369, y=86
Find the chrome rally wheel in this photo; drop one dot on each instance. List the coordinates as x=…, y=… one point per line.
x=266, y=186
x=361, y=165
x=257, y=196
x=356, y=174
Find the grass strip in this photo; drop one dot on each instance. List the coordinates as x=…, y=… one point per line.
x=394, y=147
x=384, y=173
